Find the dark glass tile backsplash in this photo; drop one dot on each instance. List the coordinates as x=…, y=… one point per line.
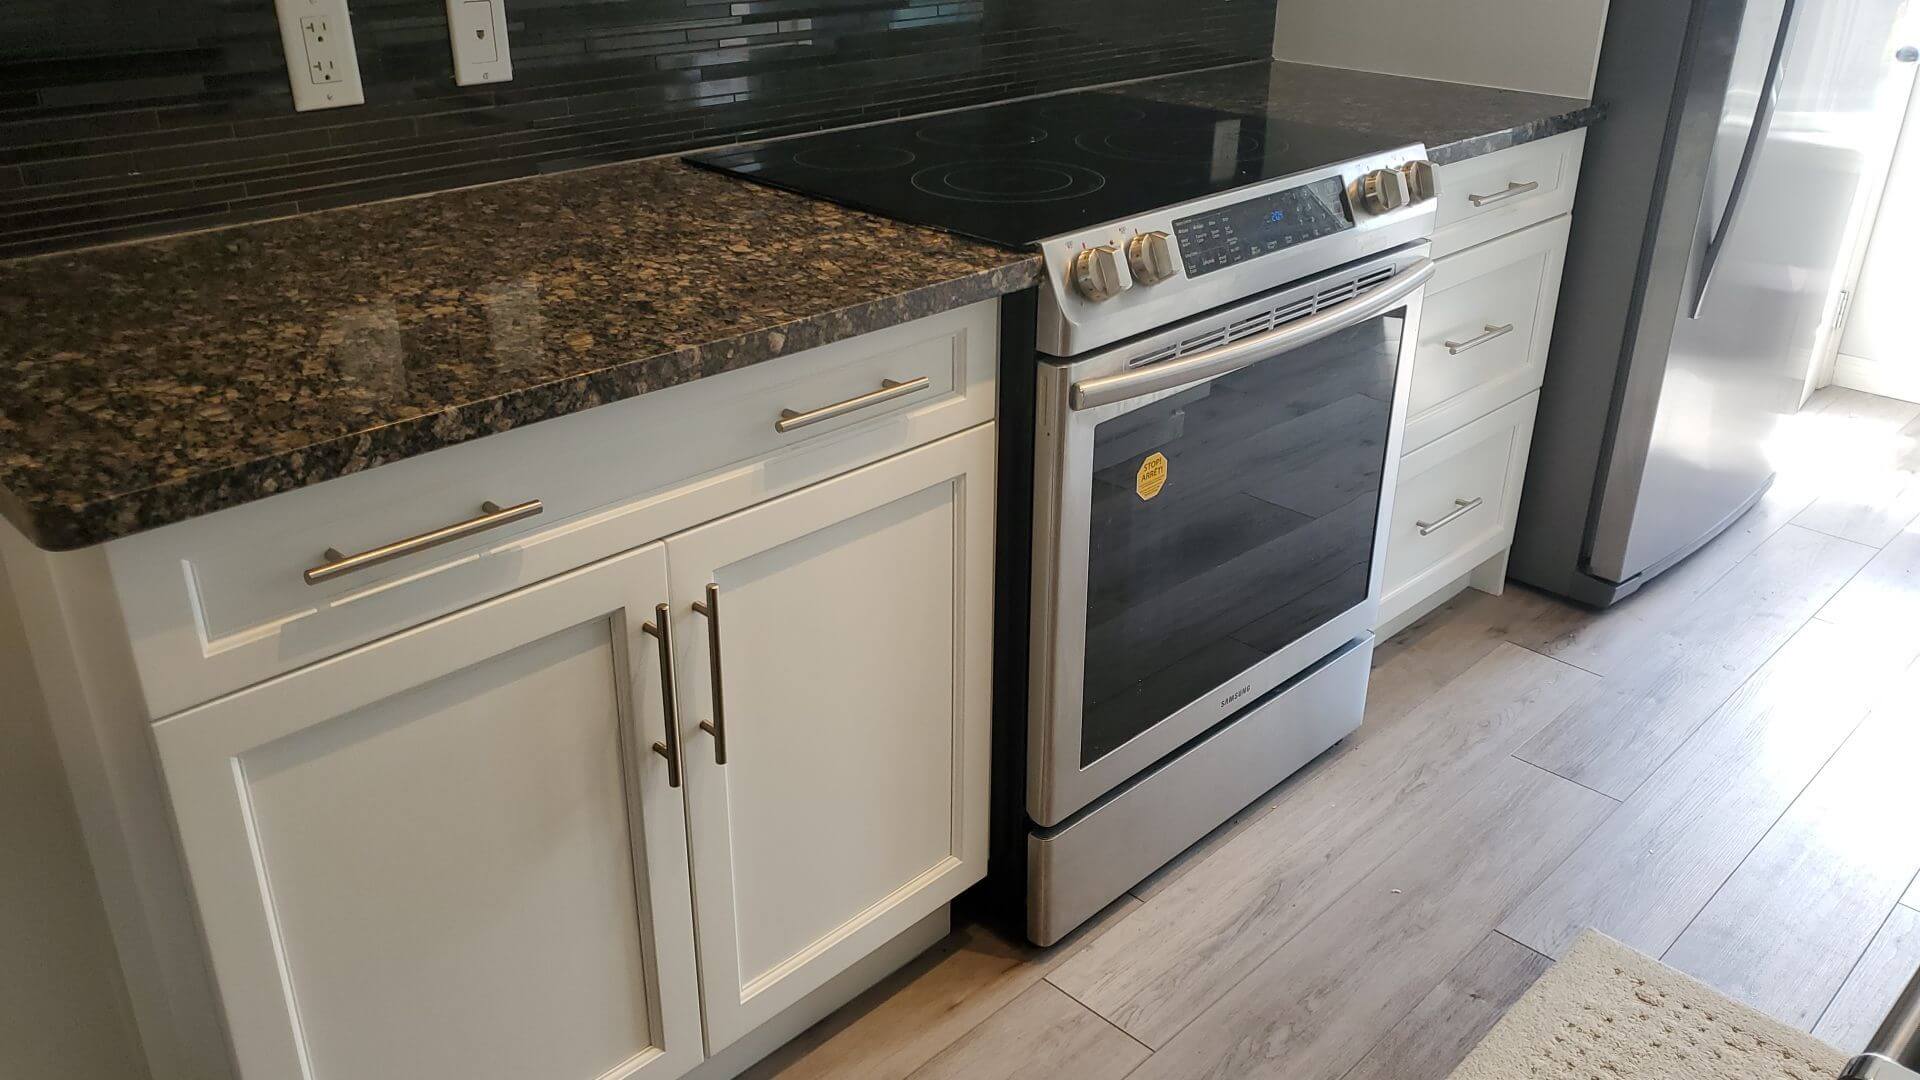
x=120, y=119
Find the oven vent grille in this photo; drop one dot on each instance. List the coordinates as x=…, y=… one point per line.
x=1267, y=320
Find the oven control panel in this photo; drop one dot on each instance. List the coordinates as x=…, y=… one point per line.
x=1246, y=230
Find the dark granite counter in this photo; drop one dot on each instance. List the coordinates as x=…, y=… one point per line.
x=1455, y=121
x=151, y=383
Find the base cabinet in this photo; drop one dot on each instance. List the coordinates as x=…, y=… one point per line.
x=451, y=853
x=853, y=634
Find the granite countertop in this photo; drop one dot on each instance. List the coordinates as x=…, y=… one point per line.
x=1454, y=120
x=150, y=383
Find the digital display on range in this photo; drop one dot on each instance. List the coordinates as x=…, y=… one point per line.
x=1248, y=230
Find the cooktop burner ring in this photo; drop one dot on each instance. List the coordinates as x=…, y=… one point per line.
x=961, y=131
x=857, y=158
x=1016, y=181
x=1171, y=148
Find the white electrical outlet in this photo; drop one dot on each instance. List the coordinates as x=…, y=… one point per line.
x=479, y=32
x=321, y=64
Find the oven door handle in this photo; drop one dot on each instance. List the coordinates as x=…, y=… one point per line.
x=1172, y=374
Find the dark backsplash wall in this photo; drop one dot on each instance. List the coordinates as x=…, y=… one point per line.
x=120, y=119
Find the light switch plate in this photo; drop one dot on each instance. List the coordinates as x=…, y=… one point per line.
x=321, y=63
x=478, y=29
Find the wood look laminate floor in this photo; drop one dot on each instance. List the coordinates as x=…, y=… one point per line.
x=1719, y=771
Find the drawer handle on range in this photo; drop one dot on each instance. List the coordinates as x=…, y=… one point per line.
x=492, y=516
x=889, y=390
x=1492, y=331
x=661, y=629
x=1461, y=507
x=717, y=727
x=1514, y=189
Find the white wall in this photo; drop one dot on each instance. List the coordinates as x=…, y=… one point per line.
x=1546, y=46
x=63, y=1010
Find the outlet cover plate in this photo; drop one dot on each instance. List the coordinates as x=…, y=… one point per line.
x=322, y=66
x=478, y=29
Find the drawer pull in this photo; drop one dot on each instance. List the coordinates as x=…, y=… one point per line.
x=889, y=391
x=717, y=727
x=1461, y=507
x=661, y=630
x=1515, y=189
x=492, y=516
x=1492, y=331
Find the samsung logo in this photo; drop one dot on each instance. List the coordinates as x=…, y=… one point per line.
x=1236, y=695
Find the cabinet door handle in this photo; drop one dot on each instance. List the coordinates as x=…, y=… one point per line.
x=661, y=629
x=492, y=516
x=1515, y=189
x=1492, y=331
x=1461, y=507
x=717, y=727
x=889, y=391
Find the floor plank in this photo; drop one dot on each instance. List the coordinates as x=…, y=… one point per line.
x=1408, y=669
x=1878, y=496
x=1621, y=732
x=1177, y=954
x=1644, y=874
x=1041, y=1035
x=1314, y=1007
x=1875, y=982
x=1450, y=1021
x=903, y=1022
x=1787, y=927
x=1885, y=595
x=1912, y=899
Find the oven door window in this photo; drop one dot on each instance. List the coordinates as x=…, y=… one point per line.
x=1227, y=521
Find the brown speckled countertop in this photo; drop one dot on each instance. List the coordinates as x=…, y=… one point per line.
x=151, y=383
x=1454, y=120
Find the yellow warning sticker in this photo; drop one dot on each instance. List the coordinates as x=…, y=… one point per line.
x=1152, y=476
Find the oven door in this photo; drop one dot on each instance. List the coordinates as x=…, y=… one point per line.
x=1211, y=503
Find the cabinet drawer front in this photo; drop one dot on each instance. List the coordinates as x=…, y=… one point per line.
x=449, y=854
x=1505, y=191
x=1485, y=329
x=1455, y=504
x=222, y=602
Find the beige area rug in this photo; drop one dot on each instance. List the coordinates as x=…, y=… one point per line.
x=1605, y=1012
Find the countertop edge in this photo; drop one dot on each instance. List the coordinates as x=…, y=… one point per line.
x=72, y=527
x=1545, y=127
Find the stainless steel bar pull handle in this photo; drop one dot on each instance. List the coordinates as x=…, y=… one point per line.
x=717, y=727
x=492, y=516
x=1492, y=331
x=889, y=391
x=1515, y=189
x=661, y=630
x=1461, y=507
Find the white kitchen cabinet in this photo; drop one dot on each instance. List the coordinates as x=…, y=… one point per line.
x=452, y=852
x=853, y=623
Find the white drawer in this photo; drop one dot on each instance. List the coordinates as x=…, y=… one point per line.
x=1484, y=329
x=1455, y=503
x=1506, y=191
x=220, y=602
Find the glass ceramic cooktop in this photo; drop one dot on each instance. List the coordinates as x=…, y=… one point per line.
x=1018, y=173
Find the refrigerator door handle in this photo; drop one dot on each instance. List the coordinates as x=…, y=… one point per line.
x=1762, y=124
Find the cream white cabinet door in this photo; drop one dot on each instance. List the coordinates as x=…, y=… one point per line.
x=452, y=852
x=853, y=633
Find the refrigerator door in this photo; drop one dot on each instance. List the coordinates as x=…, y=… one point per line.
x=1695, y=428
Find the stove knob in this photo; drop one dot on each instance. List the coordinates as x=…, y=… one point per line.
x=1150, y=257
x=1383, y=191
x=1100, y=274
x=1423, y=180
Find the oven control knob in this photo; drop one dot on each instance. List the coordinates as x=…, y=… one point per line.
x=1150, y=257
x=1099, y=273
x=1383, y=191
x=1423, y=180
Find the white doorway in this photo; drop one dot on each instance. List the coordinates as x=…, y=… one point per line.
x=1879, y=349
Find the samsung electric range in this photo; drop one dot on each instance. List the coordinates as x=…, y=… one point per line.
x=1225, y=337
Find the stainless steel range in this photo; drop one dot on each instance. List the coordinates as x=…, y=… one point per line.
x=1225, y=339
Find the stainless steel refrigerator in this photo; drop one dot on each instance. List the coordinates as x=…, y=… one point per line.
x=1706, y=260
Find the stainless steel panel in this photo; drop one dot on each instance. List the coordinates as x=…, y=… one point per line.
x=1076, y=870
